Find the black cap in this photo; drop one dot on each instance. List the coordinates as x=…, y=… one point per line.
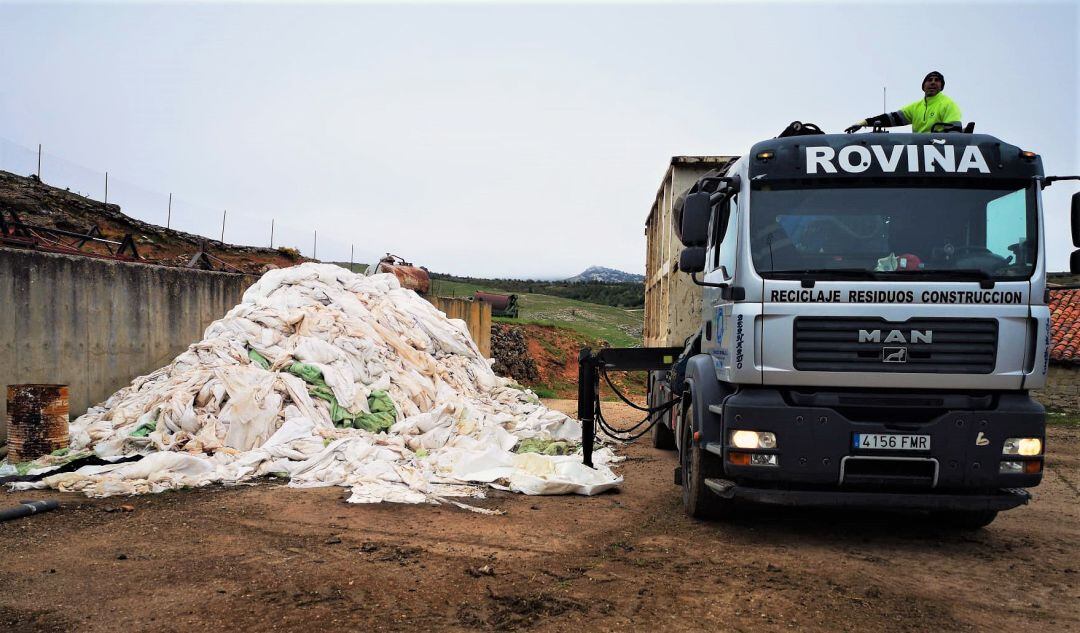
x=934, y=73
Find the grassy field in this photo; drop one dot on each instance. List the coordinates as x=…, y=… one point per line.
x=620, y=327
x=1068, y=420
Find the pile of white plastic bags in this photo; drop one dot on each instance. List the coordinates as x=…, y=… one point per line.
x=330, y=378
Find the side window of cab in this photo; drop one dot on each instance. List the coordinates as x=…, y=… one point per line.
x=723, y=236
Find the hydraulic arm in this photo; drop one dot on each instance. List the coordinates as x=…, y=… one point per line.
x=591, y=365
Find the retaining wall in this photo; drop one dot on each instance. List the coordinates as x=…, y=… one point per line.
x=1062, y=390
x=96, y=324
x=475, y=314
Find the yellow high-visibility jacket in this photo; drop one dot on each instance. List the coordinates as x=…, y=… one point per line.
x=925, y=113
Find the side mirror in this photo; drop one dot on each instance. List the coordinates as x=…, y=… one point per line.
x=695, y=220
x=1076, y=218
x=1074, y=263
x=692, y=259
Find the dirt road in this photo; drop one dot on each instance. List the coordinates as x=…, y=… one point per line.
x=265, y=557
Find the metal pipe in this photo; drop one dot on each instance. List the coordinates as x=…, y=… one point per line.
x=26, y=508
x=587, y=380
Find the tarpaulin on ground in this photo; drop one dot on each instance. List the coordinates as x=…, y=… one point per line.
x=331, y=378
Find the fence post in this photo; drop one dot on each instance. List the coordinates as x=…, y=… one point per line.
x=351, y=247
x=223, y=214
x=39, y=162
x=168, y=218
x=315, y=246
x=106, y=188
x=271, y=232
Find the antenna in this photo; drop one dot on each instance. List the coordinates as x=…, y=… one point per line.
x=884, y=98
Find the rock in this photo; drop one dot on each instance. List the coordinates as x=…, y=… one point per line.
x=476, y=572
x=333, y=540
x=121, y=557
x=511, y=354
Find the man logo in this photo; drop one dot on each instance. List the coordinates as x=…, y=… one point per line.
x=894, y=354
x=896, y=336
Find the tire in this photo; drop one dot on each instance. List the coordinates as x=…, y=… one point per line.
x=697, y=464
x=662, y=436
x=966, y=519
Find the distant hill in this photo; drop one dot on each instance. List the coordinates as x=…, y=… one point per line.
x=605, y=275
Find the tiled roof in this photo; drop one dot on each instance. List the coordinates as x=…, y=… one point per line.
x=1065, y=326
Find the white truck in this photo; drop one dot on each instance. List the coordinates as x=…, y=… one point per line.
x=869, y=319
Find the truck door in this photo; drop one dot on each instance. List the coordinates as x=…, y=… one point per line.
x=720, y=262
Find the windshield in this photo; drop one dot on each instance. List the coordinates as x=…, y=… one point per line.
x=893, y=233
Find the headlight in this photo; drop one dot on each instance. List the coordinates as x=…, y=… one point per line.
x=1022, y=446
x=753, y=439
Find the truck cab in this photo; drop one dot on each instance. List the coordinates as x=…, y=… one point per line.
x=872, y=317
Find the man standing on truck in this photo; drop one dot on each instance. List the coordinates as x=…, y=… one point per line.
x=933, y=109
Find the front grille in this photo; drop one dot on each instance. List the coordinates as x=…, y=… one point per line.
x=957, y=346
x=889, y=472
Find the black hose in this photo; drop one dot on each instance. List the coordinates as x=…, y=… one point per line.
x=663, y=407
x=621, y=434
x=26, y=508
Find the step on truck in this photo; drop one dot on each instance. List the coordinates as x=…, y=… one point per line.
x=847, y=320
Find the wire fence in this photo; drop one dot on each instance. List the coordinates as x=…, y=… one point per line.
x=174, y=211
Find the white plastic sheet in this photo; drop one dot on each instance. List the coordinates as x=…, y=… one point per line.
x=218, y=417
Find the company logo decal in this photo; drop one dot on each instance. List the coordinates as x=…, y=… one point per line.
x=896, y=336
x=855, y=159
x=894, y=354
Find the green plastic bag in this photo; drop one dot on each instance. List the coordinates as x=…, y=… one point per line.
x=544, y=447
x=144, y=429
x=311, y=375
x=258, y=359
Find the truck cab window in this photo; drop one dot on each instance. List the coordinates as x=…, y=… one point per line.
x=894, y=232
x=1006, y=227
x=725, y=236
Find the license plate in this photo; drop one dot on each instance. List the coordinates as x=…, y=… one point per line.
x=891, y=442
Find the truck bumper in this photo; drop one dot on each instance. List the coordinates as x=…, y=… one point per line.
x=1003, y=499
x=815, y=455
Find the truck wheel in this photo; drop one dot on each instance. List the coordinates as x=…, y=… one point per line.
x=966, y=519
x=697, y=466
x=662, y=437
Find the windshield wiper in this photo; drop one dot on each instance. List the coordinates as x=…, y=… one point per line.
x=826, y=273
x=961, y=274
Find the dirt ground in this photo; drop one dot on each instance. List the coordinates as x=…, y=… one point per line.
x=269, y=558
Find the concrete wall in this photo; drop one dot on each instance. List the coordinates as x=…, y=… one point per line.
x=96, y=324
x=475, y=314
x=1062, y=391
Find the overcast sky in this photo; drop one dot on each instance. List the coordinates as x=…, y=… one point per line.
x=490, y=140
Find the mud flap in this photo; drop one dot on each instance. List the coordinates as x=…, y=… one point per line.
x=707, y=390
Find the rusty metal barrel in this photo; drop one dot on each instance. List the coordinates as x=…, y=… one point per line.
x=37, y=421
x=411, y=277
